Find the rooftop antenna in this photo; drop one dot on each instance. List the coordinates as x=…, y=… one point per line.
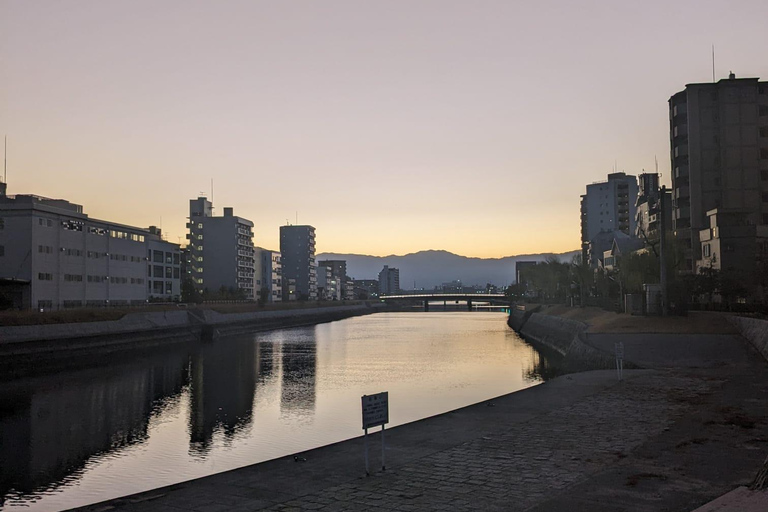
x=211, y=189
x=5, y=161
x=713, y=63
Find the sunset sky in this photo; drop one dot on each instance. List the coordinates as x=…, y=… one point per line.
x=390, y=126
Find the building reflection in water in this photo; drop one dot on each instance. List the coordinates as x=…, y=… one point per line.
x=51, y=426
x=299, y=372
x=223, y=382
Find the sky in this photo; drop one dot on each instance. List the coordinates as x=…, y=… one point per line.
x=391, y=127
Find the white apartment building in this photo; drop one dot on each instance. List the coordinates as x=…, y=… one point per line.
x=269, y=273
x=53, y=256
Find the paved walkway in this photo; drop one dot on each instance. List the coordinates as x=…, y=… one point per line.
x=660, y=440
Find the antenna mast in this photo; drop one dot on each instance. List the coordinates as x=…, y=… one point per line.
x=713, y=63
x=5, y=161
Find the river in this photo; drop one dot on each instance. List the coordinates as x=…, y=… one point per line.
x=80, y=437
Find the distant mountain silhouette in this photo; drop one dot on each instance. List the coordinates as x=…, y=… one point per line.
x=431, y=268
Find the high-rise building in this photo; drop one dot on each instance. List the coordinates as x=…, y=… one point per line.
x=608, y=206
x=54, y=256
x=389, y=281
x=719, y=151
x=297, y=247
x=221, y=250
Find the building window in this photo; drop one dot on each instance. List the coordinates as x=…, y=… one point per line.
x=176, y=259
x=168, y=257
x=158, y=272
x=707, y=250
x=765, y=197
x=2, y=223
x=169, y=287
x=2, y=250
x=169, y=272
x=45, y=249
x=73, y=278
x=176, y=273
x=44, y=276
x=158, y=287
x=157, y=256
x=764, y=153
x=72, y=225
x=44, y=304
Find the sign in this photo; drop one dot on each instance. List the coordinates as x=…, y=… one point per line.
x=375, y=409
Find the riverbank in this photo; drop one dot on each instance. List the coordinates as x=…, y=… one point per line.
x=662, y=439
x=28, y=349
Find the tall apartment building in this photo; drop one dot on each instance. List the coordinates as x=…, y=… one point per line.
x=389, y=281
x=221, y=252
x=608, y=206
x=269, y=273
x=297, y=247
x=719, y=152
x=54, y=256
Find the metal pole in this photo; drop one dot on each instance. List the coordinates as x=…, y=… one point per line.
x=367, y=473
x=383, y=466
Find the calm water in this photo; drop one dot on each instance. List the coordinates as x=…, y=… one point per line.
x=86, y=436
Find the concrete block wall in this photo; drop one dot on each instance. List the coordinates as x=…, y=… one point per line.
x=754, y=330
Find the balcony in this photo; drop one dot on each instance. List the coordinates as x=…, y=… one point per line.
x=682, y=213
x=245, y=253
x=244, y=232
x=248, y=275
x=682, y=192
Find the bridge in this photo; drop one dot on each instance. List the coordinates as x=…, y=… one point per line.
x=445, y=297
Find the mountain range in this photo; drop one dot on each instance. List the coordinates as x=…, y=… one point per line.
x=427, y=269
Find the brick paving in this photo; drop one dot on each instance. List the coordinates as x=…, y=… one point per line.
x=517, y=468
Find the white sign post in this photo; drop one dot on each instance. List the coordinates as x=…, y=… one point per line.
x=375, y=413
x=619, y=348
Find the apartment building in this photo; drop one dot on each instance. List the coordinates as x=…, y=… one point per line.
x=339, y=273
x=54, y=256
x=269, y=274
x=389, y=281
x=221, y=251
x=649, y=206
x=608, y=206
x=719, y=154
x=297, y=247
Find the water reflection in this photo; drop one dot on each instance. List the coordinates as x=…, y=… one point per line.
x=185, y=408
x=221, y=394
x=49, y=428
x=299, y=366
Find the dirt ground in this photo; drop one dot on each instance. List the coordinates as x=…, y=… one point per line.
x=601, y=321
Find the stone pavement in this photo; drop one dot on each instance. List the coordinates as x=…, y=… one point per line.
x=517, y=468
x=661, y=440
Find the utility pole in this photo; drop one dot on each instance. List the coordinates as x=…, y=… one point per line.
x=663, y=251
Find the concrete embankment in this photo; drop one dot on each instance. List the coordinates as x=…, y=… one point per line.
x=28, y=348
x=567, y=337
x=755, y=331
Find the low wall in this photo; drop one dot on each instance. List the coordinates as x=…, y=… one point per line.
x=33, y=348
x=755, y=331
